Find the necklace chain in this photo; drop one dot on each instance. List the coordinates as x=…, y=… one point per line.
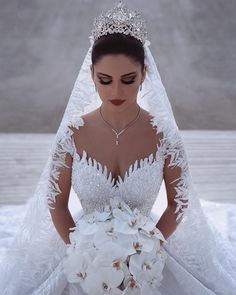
x=127, y=126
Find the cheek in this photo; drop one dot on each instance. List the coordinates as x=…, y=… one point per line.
x=104, y=90
x=131, y=89
x=128, y=91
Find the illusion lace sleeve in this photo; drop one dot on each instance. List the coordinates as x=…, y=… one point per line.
x=60, y=170
x=195, y=246
x=176, y=172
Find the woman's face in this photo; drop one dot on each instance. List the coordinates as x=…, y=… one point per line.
x=117, y=76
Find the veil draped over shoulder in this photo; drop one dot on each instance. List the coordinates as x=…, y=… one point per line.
x=195, y=245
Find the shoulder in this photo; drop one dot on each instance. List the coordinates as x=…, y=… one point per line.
x=80, y=123
x=151, y=128
x=90, y=119
x=84, y=127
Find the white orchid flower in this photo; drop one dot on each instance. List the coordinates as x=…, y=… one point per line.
x=81, y=242
x=156, y=236
x=116, y=251
x=147, y=225
x=152, y=231
x=132, y=288
x=127, y=274
x=89, y=223
x=124, y=222
x=111, y=255
x=142, y=243
x=127, y=242
x=75, y=266
x=107, y=233
x=104, y=280
x=147, y=268
x=102, y=216
x=125, y=207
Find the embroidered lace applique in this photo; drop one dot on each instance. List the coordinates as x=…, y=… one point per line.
x=94, y=184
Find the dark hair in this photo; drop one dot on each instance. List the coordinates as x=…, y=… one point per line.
x=118, y=43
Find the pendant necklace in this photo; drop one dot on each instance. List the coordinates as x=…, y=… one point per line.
x=119, y=133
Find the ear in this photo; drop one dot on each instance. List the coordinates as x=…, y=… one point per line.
x=92, y=71
x=144, y=72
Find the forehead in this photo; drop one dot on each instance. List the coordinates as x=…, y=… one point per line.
x=116, y=64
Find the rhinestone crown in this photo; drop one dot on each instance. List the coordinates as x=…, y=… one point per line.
x=120, y=19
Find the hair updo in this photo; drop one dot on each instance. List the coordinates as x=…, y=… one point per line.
x=118, y=43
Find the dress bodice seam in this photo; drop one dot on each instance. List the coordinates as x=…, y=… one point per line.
x=150, y=160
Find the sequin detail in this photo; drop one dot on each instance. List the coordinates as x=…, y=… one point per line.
x=138, y=164
x=94, y=185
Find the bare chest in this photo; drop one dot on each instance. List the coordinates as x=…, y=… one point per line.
x=135, y=143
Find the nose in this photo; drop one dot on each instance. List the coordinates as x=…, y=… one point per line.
x=115, y=90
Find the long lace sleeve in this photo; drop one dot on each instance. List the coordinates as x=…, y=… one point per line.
x=195, y=245
x=60, y=170
x=37, y=233
x=176, y=175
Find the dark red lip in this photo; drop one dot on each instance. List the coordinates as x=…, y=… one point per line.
x=117, y=101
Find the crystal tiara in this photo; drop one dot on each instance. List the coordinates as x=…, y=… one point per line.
x=120, y=19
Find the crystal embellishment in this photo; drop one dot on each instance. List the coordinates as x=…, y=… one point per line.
x=120, y=19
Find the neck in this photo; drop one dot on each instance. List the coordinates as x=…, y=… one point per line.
x=119, y=119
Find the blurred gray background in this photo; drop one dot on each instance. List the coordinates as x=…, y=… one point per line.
x=43, y=43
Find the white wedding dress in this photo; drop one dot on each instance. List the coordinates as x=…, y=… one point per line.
x=200, y=260
x=94, y=185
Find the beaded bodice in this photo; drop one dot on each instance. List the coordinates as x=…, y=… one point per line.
x=94, y=184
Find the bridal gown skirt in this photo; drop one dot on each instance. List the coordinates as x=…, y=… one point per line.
x=57, y=283
x=176, y=279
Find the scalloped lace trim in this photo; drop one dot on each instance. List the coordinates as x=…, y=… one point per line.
x=149, y=160
x=63, y=146
x=175, y=149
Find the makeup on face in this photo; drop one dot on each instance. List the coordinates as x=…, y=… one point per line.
x=126, y=79
x=118, y=79
x=117, y=102
x=105, y=79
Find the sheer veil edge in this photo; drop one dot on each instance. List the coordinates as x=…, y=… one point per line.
x=196, y=245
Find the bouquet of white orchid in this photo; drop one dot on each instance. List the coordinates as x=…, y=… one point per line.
x=116, y=251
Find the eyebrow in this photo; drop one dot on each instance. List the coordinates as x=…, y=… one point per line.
x=121, y=76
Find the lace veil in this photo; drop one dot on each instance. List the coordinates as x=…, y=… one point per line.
x=196, y=245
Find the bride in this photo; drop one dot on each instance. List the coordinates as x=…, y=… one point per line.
x=118, y=137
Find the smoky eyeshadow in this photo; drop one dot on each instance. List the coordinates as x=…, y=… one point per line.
x=126, y=80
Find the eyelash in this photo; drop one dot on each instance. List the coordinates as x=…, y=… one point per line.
x=125, y=82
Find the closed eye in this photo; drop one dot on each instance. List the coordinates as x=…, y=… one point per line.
x=129, y=81
x=104, y=82
x=123, y=81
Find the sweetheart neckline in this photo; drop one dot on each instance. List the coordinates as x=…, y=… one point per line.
x=137, y=165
